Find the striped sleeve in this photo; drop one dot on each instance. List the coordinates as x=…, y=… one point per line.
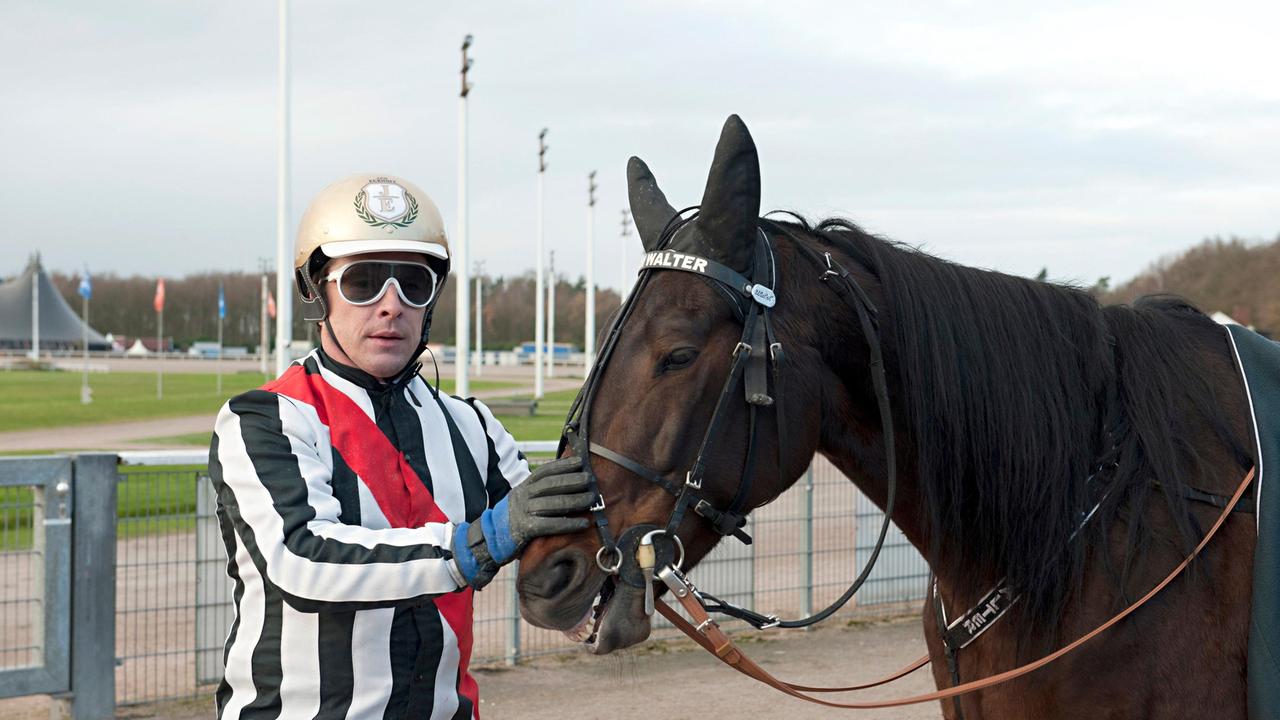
x=277, y=492
x=507, y=465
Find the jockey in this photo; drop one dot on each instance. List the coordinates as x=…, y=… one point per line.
x=361, y=507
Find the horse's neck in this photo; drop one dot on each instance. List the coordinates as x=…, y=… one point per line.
x=851, y=438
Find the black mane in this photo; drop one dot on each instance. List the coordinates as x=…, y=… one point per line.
x=1004, y=384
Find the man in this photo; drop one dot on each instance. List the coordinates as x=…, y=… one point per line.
x=360, y=507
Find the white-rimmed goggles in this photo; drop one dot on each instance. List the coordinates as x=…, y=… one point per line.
x=364, y=282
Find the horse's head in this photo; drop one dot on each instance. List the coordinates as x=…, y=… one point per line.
x=658, y=383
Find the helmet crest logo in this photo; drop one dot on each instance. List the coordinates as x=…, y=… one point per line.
x=383, y=203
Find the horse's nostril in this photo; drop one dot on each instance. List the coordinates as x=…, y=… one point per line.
x=561, y=572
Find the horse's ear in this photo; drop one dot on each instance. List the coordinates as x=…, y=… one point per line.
x=649, y=206
x=731, y=203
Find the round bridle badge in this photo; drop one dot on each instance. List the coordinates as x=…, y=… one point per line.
x=763, y=295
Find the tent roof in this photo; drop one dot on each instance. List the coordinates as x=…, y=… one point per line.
x=58, y=322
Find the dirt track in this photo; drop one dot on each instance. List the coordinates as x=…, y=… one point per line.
x=682, y=681
x=675, y=682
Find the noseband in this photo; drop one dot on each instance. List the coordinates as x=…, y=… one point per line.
x=757, y=355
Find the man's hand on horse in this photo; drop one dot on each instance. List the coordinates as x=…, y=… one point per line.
x=544, y=504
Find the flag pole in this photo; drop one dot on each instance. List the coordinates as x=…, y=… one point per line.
x=551, y=316
x=221, y=314
x=589, y=328
x=85, y=394
x=262, y=344
x=160, y=350
x=35, y=312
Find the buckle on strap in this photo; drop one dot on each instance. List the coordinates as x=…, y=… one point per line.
x=675, y=581
x=692, y=482
x=598, y=505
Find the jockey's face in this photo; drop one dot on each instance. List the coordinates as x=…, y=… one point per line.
x=378, y=338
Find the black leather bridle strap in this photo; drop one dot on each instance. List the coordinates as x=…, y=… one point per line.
x=690, y=491
x=690, y=263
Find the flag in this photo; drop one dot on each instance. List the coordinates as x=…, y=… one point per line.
x=222, y=303
x=271, y=305
x=86, y=285
x=159, y=301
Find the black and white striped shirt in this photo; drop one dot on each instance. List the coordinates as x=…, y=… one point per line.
x=337, y=501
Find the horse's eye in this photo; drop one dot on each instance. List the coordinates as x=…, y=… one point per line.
x=678, y=358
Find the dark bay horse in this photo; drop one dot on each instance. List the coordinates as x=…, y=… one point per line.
x=1019, y=409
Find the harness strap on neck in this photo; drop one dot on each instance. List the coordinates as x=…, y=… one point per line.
x=948, y=650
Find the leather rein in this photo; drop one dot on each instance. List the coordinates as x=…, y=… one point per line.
x=659, y=552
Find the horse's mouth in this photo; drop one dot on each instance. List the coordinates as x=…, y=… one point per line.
x=612, y=622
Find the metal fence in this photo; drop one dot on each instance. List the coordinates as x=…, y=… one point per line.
x=173, y=599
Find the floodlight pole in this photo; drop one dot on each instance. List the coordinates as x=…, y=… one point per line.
x=462, y=315
x=623, y=288
x=539, y=326
x=589, y=332
x=284, y=266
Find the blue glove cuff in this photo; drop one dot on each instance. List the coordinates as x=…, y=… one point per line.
x=467, y=563
x=496, y=524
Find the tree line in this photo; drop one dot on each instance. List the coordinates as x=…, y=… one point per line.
x=123, y=306
x=1233, y=275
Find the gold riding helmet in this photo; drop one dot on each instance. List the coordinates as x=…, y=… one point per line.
x=367, y=213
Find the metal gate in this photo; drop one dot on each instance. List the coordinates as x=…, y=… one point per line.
x=35, y=575
x=57, y=571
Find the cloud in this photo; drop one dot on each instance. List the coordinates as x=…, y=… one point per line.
x=1089, y=138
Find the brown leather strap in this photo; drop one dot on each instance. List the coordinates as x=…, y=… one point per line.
x=709, y=635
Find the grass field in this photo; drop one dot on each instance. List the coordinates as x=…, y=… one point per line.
x=149, y=501
x=155, y=500
x=545, y=425
x=32, y=399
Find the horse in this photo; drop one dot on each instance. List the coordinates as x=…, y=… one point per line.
x=1032, y=440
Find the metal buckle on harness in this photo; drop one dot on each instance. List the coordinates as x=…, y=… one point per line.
x=674, y=581
x=830, y=272
x=598, y=505
x=695, y=484
x=740, y=347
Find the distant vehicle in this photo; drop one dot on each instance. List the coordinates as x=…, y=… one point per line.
x=560, y=352
x=210, y=350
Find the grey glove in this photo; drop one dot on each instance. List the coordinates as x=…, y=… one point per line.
x=539, y=506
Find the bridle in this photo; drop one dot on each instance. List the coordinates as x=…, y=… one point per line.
x=659, y=552
x=757, y=356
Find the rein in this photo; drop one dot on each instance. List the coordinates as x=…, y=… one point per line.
x=709, y=635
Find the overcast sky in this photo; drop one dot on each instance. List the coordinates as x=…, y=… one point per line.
x=1091, y=138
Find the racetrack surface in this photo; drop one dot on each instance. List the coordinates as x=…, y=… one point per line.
x=680, y=681
x=673, y=681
